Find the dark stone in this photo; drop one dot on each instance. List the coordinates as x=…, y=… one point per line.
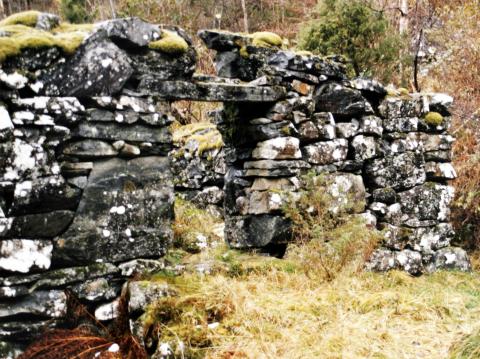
x=340, y=100
x=89, y=149
x=385, y=195
x=98, y=68
x=426, y=203
x=130, y=33
x=61, y=277
x=163, y=66
x=204, y=91
x=124, y=213
x=269, y=131
x=257, y=231
x=452, y=258
x=113, y=131
x=44, y=195
x=42, y=225
x=398, y=172
x=44, y=304
x=221, y=40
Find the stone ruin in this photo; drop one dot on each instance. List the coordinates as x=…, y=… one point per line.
x=87, y=186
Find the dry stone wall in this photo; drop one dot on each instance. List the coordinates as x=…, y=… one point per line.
x=86, y=183
x=382, y=150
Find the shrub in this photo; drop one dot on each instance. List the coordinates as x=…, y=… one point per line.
x=75, y=11
x=190, y=223
x=328, y=238
x=355, y=30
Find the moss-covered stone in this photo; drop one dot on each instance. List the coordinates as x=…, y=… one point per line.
x=434, y=119
x=8, y=47
x=170, y=43
x=266, y=39
x=20, y=36
x=27, y=18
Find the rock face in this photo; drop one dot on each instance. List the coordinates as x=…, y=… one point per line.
x=88, y=165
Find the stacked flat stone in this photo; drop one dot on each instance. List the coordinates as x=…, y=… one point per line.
x=377, y=150
x=86, y=190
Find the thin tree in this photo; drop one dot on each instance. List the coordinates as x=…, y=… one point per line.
x=403, y=22
x=2, y=10
x=112, y=7
x=245, y=16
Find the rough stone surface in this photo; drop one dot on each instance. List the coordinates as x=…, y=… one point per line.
x=128, y=203
x=324, y=153
x=87, y=190
x=257, y=231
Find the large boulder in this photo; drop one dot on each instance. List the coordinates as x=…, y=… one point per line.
x=124, y=213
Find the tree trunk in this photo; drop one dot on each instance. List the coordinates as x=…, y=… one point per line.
x=112, y=7
x=403, y=23
x=9, y=8
x=2, y=10
x=245, y=16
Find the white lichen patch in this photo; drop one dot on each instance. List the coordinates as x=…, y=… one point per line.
x=21, y=255
x=23, y=189
x=106, y=62
x=5, y=121
x=14, y=81
x=108, y=311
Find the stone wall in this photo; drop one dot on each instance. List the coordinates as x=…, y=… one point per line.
x=86, y=183
x=86, y=188
x=388, y=152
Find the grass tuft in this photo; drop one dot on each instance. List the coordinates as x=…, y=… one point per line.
x=190, y=223
x=468, y=347
x=204, y=133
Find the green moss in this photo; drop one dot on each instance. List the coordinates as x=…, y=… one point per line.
x=434, y=118
x=243, y=52
x=27, y=18
x=285, y=130
x=170, y=43
x=67, y=37
x=69, y=42
x=67, y=27
x=34, y=40
x=303, y=53
x=8, y=48
x=266, y=39
x=403, y=91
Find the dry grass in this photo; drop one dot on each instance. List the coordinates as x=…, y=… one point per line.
x=89, y=339
x=190, y=223
x=204, y=134
x=317, y=302
x=279, y=310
